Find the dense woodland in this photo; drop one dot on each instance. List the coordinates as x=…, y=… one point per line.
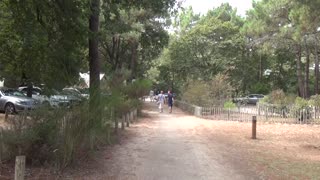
x=275, y=47
x=203, y=58
x=50, y=42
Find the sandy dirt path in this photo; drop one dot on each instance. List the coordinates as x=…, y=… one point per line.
x=168, y=146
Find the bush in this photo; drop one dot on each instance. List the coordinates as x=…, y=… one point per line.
x=51, y=136
x=58, y=136
x=138, y=88
x=278, y=98
x=220, y=89
x=210, y=93
x=229, y=105
x=197, y=93
x=315, y=100
x=260, y=88
x=301, y=103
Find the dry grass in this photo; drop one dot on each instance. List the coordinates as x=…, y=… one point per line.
x=3, y=123
x=281, y=151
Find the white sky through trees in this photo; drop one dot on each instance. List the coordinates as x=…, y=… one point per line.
x=202, y=6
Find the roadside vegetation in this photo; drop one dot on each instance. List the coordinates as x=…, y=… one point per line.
x=49, y=43
x=136, y=46
x=275, y=47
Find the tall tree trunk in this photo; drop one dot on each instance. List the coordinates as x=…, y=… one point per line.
x=29, y=89
x=299, y=73
x=316, y=70
x=94, y=63
x=260, y=68
x=134, y=48
x=118, y=53
x=306, y=81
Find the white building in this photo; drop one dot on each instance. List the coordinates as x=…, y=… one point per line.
x=86, y=77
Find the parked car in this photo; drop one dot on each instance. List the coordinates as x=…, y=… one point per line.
x=53, y=98
x=250, y=99
x=73, y=96
x=14, y=101
x=85, y=92
x=75, y=92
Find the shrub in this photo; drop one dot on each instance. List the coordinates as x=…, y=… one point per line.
x=53, y=136
x=278, y=98
x=210, y=93
x=260, y=88
x=301, y=103
x=229, y=105
x=315, y=100
x=138, y=88
x=197, y=93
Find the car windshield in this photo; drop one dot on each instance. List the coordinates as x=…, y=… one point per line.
x=71, y=92
x=12, y=92
x=35, y=91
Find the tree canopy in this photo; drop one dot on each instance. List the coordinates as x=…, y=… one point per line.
x=274, y=47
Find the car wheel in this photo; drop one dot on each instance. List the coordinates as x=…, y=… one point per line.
x=10, y=108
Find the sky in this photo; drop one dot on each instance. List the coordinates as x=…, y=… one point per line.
x=202, y=6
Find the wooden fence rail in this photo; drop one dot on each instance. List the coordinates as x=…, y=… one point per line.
x=290, y=115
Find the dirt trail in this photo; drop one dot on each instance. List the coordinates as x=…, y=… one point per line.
x=168, y=146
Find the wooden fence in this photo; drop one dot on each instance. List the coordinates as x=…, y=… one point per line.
x=268, y=114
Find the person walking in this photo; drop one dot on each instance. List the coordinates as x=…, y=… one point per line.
x=170, y=101
x=161, y=100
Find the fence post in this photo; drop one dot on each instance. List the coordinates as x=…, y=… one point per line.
x=228, y=114
x=131, y=116
x=20, y=168
x=254, y=127
x=116, y=122
x=1, y=144
x=197, y=111
x=128, y=119
x=259, y=109
x=267, y=109
x=122, y=121
x=136, y=114
x=6, y=115
x=116, y=125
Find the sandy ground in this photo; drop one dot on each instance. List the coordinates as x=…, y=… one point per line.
x=179, y=146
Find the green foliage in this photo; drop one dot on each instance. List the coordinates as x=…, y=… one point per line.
x=301, y=103
x=229, y=105
x=278, y=98
x=40, y=42
x=258, y=53
x=138, y=88
x=45, y=42
x=220, y=89
x=196, y=93
x=56, y=136
x=260, y=88
x=315, y=100
x=204, y=94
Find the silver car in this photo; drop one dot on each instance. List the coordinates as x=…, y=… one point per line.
x=14, y=101
x=66, y=98
x=250, y=99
